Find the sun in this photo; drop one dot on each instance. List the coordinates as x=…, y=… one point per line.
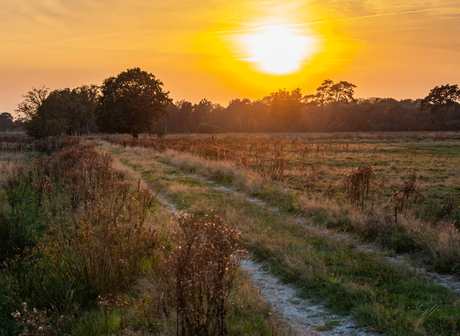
x=277, y=50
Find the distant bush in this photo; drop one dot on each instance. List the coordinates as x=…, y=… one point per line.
x=208, y=128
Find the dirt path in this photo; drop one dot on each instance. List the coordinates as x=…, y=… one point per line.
x=303, y=316
x=448, y=281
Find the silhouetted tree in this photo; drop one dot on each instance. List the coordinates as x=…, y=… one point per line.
x=321, y=98
x=48, y=116
x=439, y=101
x=6, y=121
x=86, y=99
x=285, y=109
x=201, y=113
x=334, y=95
x=185, y=110
x=131, y=103
x=238, y=113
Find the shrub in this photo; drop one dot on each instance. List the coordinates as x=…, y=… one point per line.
x=208, y=128
x=74, y=229
x=34, y=323
x=112, y=238
x=202, y=268
x=25, y=217
x=358, y=184
x=402, y=197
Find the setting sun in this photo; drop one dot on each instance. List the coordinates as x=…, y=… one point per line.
x=277, y=49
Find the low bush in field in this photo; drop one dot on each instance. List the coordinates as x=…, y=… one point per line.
x=202, y=270
x=358, y=184
x=112, y=238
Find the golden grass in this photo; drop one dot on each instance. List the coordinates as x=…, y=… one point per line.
x=439, y=240
x=280, y=238
x=217, y=170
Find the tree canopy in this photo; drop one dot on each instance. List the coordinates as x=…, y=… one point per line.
x=285, y=109
x=130, y=103
x=48, y=115
x=334, y=94
x=441, y=99
x=438, y=102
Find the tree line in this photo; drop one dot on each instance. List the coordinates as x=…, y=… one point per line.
x=333, y=108
x=135, y=102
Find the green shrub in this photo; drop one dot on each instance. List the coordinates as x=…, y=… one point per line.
x=112, y=238
x=75, y=229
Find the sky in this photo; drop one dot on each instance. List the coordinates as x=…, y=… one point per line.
x=221, y=50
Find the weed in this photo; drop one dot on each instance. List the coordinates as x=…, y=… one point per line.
x=358, y=184
x=402, y=197
x=202, y=268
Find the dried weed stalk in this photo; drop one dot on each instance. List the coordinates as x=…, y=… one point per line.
x=358, y=184
x=202, y=268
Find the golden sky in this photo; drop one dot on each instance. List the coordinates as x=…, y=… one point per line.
x=218, y=49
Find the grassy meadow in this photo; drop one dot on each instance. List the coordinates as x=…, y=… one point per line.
x=91, y=220
x=86, y=249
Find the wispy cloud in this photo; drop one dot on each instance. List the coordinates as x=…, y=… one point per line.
x=451, y=11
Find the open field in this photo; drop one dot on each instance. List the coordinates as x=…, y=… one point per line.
x=87, y=250
x=432, y=156
x=333, y=241
x=433, y=242
x=313, y=167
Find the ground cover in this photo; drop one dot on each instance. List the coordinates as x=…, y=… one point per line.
x=382, y=295
x=313, y=167
x=85, y=249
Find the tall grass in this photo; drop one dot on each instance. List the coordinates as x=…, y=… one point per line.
x=386, y=221
x=75, y=228
x=83, y=236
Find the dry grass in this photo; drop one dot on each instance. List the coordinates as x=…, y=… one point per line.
x=325, y=266
x=410, y=232
x=216, y=170
x=9, y=163
x=330, y=269
x=393, y=159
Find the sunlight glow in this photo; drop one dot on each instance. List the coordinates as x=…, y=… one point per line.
x=278, y=49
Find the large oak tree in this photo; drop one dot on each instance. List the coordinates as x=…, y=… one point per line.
x=131, y=103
